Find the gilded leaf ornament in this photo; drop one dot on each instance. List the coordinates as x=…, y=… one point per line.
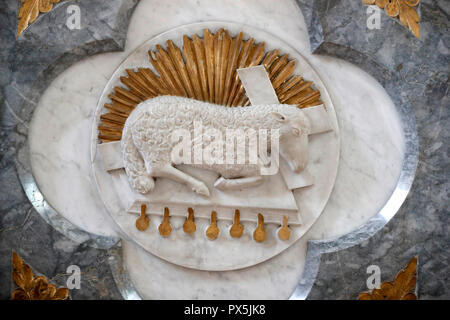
x=30, y=10
x=31, y=287
x=402, y=288
x=404, y=10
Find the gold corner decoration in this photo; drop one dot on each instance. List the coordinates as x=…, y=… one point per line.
x=30, y=10
x=402, y=288
x=404, y=10
x=31, y=287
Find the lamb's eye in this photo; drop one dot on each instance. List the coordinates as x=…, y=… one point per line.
x=295, y=131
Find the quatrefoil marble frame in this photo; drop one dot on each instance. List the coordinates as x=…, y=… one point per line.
x=41, y=73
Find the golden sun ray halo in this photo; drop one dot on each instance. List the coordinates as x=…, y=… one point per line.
x=203, y=69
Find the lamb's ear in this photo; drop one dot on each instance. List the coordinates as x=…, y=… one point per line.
x=278, y=116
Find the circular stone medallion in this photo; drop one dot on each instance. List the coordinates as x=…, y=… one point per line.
x=195, y=250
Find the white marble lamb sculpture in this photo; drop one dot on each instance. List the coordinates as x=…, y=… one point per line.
x=147, y=145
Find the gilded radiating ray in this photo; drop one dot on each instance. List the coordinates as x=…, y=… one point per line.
x=204, y=69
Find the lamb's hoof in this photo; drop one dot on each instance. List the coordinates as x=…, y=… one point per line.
x=144, y=184
x=220, y=183
x=202, y=189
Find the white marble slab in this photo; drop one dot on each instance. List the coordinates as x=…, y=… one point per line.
x=371, y=149
x=60, y=154
x=259, y=89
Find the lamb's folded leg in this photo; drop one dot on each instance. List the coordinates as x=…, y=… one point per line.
x=238, y=183
x=138, y=176
x=172, y=173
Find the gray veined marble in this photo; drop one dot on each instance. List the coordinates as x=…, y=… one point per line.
x=109, y=36
x=413, y=72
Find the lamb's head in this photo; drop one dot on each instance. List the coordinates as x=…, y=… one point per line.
x=294, y=129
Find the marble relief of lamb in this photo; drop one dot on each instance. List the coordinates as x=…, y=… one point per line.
x=147, y=145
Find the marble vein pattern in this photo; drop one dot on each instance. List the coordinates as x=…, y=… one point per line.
x=420, y=227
